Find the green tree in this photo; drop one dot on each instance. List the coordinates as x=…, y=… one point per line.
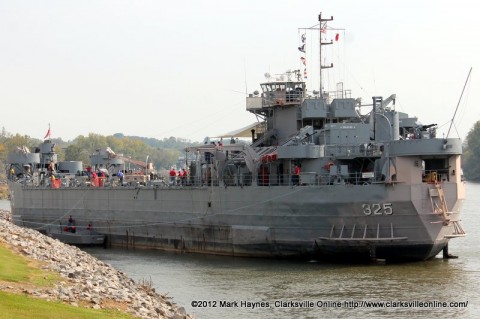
x=18, y=140
x=74, y=153
x=471, y=155
x=162, y=153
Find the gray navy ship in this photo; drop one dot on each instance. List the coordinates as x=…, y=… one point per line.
x=315, y=179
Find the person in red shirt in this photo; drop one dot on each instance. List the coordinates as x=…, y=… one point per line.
x=296, y=175
x=180, y=176
x=297, y=170
x=173, y=175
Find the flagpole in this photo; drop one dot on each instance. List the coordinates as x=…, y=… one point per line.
x=320, y=52
x=320, y=20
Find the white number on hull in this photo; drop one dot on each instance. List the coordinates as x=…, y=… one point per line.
x=377, y=209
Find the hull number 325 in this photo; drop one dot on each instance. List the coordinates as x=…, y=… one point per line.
x=377, y=209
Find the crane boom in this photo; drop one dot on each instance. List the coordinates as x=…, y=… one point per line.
x=130, y=160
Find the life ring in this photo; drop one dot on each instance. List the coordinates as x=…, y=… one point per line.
x=329, y=165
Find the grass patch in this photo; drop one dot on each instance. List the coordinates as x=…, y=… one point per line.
x=20, y=273
x=14, y=306
x=13, y=268
x=18, y=269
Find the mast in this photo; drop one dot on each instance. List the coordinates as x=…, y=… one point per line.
x=320, y=20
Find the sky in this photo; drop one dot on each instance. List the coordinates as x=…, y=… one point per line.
x=183, y=68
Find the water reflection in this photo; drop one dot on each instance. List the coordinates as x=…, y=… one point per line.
x=190, y=278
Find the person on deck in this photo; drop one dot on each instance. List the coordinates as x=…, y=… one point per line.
x=88, y=169
x=120, y=177
x=296, y=175
x=71, y=225
x=185, y=177
x=180, y=176
x=173, y=175
x=50, y=168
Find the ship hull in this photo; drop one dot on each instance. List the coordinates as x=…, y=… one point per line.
x=323, y=222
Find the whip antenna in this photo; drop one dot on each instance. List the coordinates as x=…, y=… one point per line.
x=451, y=123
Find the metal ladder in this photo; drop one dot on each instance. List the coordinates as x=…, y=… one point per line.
x=363, y=234
x=443, y=210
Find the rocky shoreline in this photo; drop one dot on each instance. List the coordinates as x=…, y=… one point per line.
x=87, y=281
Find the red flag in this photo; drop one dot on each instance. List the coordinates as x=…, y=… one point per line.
x=337, y=36
x=48, y=133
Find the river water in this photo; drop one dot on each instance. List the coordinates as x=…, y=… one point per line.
x=230, y=287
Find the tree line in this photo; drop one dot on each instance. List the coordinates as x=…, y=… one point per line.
x=471, y=154
x=162, y=153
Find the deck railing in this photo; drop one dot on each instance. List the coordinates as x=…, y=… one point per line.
x=242, y=180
